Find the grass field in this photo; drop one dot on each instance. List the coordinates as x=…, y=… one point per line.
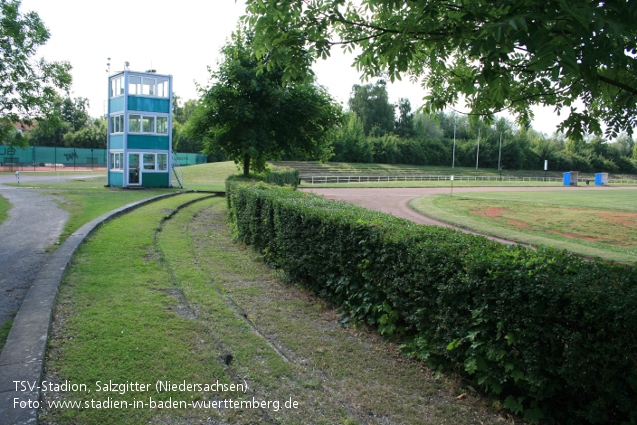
x=5, y=206
x=208, y=176
x=600, y=223
x=174, y=299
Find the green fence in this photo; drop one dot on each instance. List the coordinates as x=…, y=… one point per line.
x=190, y=158
x=39, y=156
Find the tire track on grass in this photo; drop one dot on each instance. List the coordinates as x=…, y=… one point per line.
x=227, y=357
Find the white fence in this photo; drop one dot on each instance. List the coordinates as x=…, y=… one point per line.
x=406, y=178
x=624, y=181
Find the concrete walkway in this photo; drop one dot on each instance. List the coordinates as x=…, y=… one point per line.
x=35, y=222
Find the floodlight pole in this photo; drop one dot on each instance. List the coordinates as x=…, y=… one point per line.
x=500, y=157
x=453, y=157
x=478, y=152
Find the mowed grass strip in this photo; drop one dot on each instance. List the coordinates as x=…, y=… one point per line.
x=83, y=206
x=117, y=320
x=208, y=176
x=593, y=223
x=145, y=301
x=289, y=345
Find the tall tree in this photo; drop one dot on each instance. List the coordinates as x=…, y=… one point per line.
x=75, y=112
x=183, y=111
x=405, y=121
x=67, y=116
x=182, y=142
x=370, y=103
x=350, y=143
x=251, y=115
x=91, y=135
x=28, y=88
x=511, y=55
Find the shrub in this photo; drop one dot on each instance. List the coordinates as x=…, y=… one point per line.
x=551, y=334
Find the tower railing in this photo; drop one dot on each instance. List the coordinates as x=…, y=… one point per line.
x=177, y=171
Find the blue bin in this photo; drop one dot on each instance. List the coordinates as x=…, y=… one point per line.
x=601, y=179
x=571, y=178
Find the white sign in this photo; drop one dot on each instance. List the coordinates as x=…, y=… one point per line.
x=546, y=164
x=451, y=178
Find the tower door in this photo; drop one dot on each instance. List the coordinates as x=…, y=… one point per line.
x=133, y=169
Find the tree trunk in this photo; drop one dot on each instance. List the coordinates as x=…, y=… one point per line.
x=246, y=165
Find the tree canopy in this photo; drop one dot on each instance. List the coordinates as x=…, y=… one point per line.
x=509, y=55
x=249, y=114
x=68, y=124
x=28, y=88
x=371, y=103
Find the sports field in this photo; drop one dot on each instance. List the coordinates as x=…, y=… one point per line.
x=588, y=222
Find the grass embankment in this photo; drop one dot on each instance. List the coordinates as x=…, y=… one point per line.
x=208, y=176
x=601, y=223
x=353, y=168
x=5, y=206
x=349, y=168
x=464, y=176
x=173, y=302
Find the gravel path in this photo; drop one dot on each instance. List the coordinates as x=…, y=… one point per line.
x=35, y=222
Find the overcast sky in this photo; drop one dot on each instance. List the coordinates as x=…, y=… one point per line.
x=179, y=38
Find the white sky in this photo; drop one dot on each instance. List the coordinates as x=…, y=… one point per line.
x=179, y=38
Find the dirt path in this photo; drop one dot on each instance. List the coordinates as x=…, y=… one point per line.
x=395, y=201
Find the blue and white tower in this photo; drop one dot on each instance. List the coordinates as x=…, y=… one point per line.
x=139, y=129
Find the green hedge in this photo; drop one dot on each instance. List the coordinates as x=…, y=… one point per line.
x=280, y=176
x=552, y=335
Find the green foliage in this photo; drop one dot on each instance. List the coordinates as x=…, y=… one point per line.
x=28, y=89
x=551, y=334
x=279, y=176
x=91, y=135
x=350, y=143
x=251, y=116
x=182, y=141
x=522, y=148
x=10, y=136
x=512, y=55
x=404, y=126
x=69, y=125
x=283, y=176
x=183, y=112
x=370, y=102
x=385, y=149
